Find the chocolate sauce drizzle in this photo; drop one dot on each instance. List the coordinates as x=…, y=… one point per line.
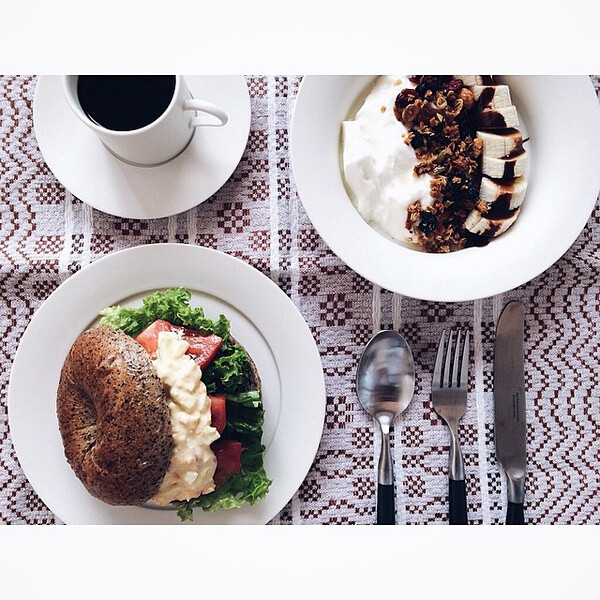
x=501, y=208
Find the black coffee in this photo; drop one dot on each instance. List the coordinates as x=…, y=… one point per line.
x=124, y=102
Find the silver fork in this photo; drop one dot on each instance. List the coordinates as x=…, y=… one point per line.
x=449, y=398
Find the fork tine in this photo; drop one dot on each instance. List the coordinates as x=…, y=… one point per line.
x=454, y=380
x=464, y=369
x=447, y=381
x=437, y=369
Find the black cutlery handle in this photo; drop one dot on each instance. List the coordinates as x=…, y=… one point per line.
x=514, y=514
x=386, y=513
x=457, y=502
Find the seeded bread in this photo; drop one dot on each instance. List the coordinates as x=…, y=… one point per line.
x=114, y=418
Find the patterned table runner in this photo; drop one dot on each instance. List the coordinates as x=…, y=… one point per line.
x=46, y=235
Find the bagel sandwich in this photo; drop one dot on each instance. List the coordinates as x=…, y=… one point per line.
x=159, y=404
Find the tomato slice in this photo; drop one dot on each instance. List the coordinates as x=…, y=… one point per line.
x=203, y=348
x=217, y=412
x=229, y=459
x=149, y=337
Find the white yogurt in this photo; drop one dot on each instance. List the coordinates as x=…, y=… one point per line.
x=378, y=164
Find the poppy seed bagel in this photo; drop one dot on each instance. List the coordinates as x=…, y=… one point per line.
x=113, y=417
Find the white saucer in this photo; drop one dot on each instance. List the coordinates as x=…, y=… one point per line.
x=83, y=165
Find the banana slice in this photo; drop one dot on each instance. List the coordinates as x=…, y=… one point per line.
x=504, y=168
x=501, y=143
x=498, y=118
x=469, y=80
x=477, y=224
x=503, y=160
x=492, y=96
x=498, y=198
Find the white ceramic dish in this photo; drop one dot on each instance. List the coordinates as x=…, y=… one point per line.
x=90, y=172
x=559, y=113
x=265, y=321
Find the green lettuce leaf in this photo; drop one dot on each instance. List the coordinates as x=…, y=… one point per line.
x=251, y=398
x=244, y=488
x=228, y=372
x=172, y=305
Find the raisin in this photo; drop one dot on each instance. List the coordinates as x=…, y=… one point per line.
x=427, y=222
x=435, y=82
x=471, y=190
x=462, y=190
x=454, y=85
x=417, y=140
x=404, y=98
x=466, y=124
x=426, y=114
x=440, y=139
x=453, y=191
x=421, y=89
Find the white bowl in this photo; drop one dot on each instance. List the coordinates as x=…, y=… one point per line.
x=561, y=116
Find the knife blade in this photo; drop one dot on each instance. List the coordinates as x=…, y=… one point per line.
x=510, y=427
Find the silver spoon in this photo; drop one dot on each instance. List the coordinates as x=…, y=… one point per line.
x=385, y=383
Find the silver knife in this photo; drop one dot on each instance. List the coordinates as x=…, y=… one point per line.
x=510, y=428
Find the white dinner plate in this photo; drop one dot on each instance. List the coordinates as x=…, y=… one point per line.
x=84, y=166
x=559, y=113
x=263, y=319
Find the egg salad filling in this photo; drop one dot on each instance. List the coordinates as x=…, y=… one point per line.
x=193, y=463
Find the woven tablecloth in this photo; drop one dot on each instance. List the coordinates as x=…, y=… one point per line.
x=46, y=235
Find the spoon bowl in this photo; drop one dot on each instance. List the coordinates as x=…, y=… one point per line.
x=385, y=383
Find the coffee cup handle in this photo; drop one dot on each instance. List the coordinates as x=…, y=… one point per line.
x=207, y=108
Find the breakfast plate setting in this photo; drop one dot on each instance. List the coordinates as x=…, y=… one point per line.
x=293, y=415
x=332, y=300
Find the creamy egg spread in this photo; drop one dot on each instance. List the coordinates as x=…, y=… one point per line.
x=193, y=463
x=378, y=164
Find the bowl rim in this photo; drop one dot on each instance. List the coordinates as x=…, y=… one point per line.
x=361, y=248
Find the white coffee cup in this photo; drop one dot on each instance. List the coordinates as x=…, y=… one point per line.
x=161, y=140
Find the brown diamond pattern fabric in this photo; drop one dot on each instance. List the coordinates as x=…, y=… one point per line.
x=46, y=235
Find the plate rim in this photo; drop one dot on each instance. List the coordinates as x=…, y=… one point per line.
x=311, y=440
x=356, y=263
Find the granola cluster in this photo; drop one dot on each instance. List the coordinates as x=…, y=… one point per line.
x=440, y=118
